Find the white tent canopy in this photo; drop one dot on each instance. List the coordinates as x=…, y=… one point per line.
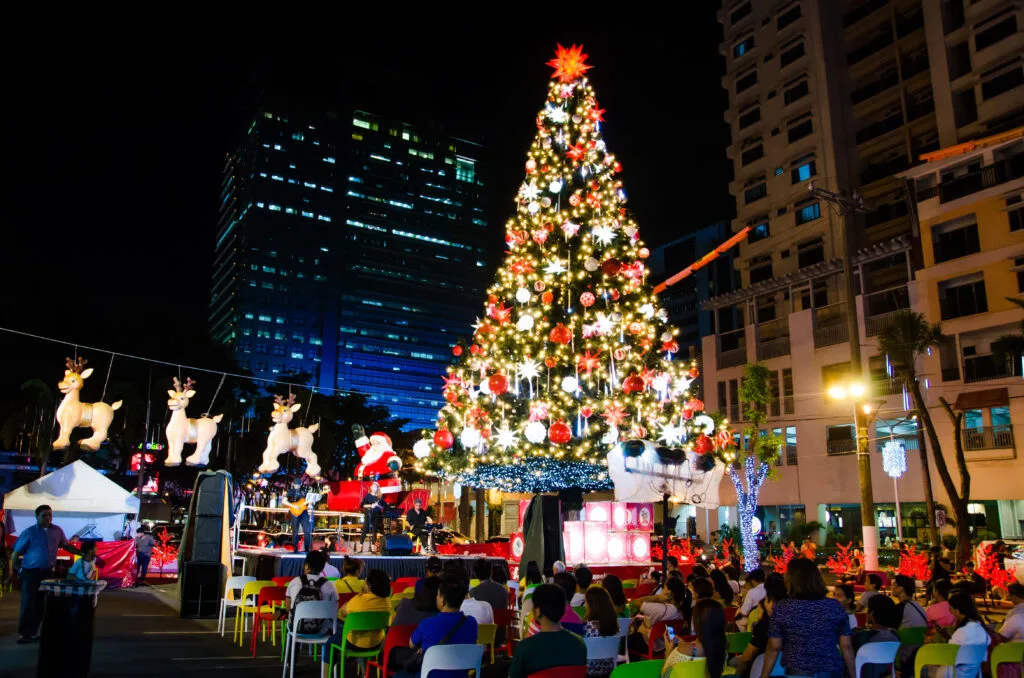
x=646, y=479
x=82, y=499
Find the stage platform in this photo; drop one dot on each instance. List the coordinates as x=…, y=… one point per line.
x=267, y=564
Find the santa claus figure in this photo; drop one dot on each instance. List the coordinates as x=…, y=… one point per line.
x=378, y=462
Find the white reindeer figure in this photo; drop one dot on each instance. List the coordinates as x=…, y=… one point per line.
x=298, y=441
x=72, y=413
x=181, y=429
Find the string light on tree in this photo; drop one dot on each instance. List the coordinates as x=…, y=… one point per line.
x=580, y=346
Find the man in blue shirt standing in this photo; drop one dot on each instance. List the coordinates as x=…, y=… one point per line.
x=35, y=555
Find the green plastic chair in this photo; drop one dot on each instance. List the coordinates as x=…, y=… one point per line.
x=629, y=584
x=358, y=621
x=1006, y=653
x=939, y=654
x=736, y=643
x=647, y=669
x=581, y=610
x=693, y=668
x=913, y=635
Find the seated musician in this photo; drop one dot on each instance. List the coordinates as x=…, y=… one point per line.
x=417, y=519
x=372, y=505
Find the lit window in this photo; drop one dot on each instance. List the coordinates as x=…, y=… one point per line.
x=277, y=177
x=356, y=180
x=279, y=320
x=360, y=123
x=382, y=158
x=323, y=217
x=264, y=318
x=259, y=204
x=297, y=355
x=809, y=213
x=275, y=208
x=327, y=188
x=405, y=136
x=269, y=269
x=330, y=159
x=249, y=316
x=297, y=136
x=268, y=115
x=308, y=184
x=289, y=210
x=308, y=215
x=277, y=147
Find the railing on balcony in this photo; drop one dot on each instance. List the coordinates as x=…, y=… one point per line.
x=909, y=442
x=732, y=348
x=987, y=367
x=837, y=448
x=889, y=79
x=886, y=212
x=951, y=374
x=830, y=326
x=882, y=39
x=913, y=64
x=986, y=177
x=773, y=339
x=881, y=307
x=887, y=386
x=876, y=171
x=988, y=437
x=880, y=127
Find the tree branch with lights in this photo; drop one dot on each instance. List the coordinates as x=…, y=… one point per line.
x=572, y=353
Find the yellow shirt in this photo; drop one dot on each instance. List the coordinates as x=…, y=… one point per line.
x=366, y=602
x=349, y=584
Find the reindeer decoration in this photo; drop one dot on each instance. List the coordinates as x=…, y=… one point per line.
x=298, y=441
x=73, y=413
x=181, y=429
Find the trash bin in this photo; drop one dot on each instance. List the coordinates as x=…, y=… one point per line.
x=65, y=641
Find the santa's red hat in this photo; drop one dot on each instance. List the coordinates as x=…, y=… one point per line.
x=383, y=435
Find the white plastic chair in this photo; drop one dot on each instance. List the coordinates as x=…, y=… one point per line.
x=877, y=653
x=603, y=647
x=624, y=624
x=973, y=656
x=234, y=585
x=452, y=658
x=777, y=670
x=326, y=610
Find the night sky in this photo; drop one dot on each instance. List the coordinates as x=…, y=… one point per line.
x=113, y=161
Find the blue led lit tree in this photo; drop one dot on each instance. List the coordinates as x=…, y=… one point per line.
x=756, y=457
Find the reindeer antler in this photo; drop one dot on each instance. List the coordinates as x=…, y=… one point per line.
x=189, y=384
x=77, y=365
x=291, y=400
x=177, y=385
x=278, y=400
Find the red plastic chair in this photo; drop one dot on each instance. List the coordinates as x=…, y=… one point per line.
x=398, y=636
x=730, y=615
x=645, y=589
x=282, y=581
x=402, y=583
x=266, y=598
x=561, y=672
x=503, y=618
x=862, y=619
x=344, y=598
x=658, y=631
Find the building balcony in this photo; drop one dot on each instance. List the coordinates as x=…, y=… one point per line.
x=732, y=348
x=986, y=368
x=880, y=41
x=830, y=326
x=909, y=442
x=880, y=127
x=841, y=447
x=773, y=339
x=888, y=80
x=887, y=386
x=986, y=177
x=881, y=307
x=988, y=437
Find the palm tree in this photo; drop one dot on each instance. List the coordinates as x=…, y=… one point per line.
x=907, y=337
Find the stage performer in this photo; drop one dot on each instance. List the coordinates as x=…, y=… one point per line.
x=372, y=505
x=378, y=462
x=294, y=497
x=417, y=519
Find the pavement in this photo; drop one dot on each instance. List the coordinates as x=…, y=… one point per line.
x=139, y=633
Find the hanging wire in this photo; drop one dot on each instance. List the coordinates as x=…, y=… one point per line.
x=107, y=379
x=215, y=394
x=309, y=403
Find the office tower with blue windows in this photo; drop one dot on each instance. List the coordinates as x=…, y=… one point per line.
x=274, y=295
x=415, y=261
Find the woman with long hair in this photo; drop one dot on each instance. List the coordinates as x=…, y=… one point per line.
x=811, y=630
x=709, y=627
x=654, y=610
x=774, y=591
x=723, y=592
x=350, y=581
x=969, y=631
x=613, y=585
x=533, y=579
x=599, y=621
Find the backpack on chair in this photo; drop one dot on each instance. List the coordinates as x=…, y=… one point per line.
x=310, y=591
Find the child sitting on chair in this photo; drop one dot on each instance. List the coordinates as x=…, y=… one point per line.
x=85, y=568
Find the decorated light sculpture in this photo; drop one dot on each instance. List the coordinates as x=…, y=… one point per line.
x=894, y=462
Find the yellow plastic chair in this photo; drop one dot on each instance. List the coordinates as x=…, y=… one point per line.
x=693, y=668
x=485, y=635
x=1006, y=653
x=249, y=593
x=629, y=584
x=409, y=592
x=940, y=654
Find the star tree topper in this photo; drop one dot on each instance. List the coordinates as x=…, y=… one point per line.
x=569, y=64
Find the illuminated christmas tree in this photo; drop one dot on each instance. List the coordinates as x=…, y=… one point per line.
x=572, y=354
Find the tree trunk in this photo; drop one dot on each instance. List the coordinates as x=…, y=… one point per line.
x=481, y=513
x=746, y=505
x=926, y=480
x=464, y=511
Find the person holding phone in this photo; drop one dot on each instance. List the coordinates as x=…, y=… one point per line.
x=709, y=627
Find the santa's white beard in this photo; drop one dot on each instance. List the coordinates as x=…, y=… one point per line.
x=374, y=454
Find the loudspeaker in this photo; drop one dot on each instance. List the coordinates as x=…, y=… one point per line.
x=208, y=517
x=200, y=589
x=395, y=545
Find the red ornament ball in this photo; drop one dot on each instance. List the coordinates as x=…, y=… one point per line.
x=474, y=349
x=632, y=383
x=574, y=200
x=587, y=411
x=452, y=396
x=544, y=168
x=550, y=362
x=498, y=384
x=644, y=253
x=694, y=373
x=617, y=167
x=549, y=227
x=492, y=299
x=547, y=297
x=444, y=439
x=611, y=267
x=620, y=354
x=456, y=351
x=539, y=285
x=559, y=433
x=687, y=413
x=615, y=295
x=531, y=166
x=560, y=334
x=587, y=299
x=636, y=328
x=703, y=444
x=671, y=346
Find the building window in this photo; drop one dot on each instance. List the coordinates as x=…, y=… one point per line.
x=742, y=47
x=963, y=296
x=755, y=192
x=740, y=12
x=803, y=172
x=749, y=118
x=330, y=160
x=811, y=252
x=360, y=123
x=465, y=169
x=297, y=355
x=278, y=350
x=788, y=400
x=1015, y=211
x=1018, y=265
x=735, y=411
x=1003, y=81
x=787, y=18
x=797, y=91
x=746, y=82
x=996, y=32
x=800, y=131
x=808, y=213
x=955, y=238
x=758, y=232
x=751, y=154
x=787, y=455
x=840, y=440
x=791, y=54
x=760, y=268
